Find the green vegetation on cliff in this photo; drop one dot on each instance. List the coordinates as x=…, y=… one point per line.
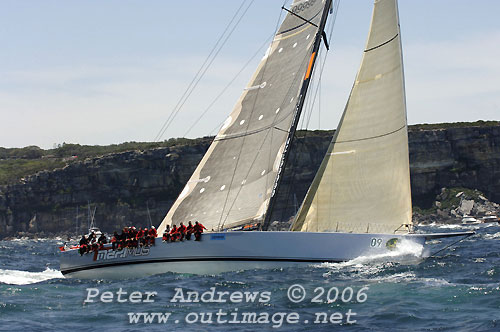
x=16, y=163
x=437, y=126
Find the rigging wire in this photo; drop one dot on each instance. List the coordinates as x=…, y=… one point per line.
x=452, y=244
x=216, y=128
x=204, y=67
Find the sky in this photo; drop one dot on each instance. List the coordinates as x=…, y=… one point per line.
x=106, y=72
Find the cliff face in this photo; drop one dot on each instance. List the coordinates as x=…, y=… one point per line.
x=122, y=187
x=455, y=157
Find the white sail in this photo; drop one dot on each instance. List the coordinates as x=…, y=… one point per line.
x=233, y=183
x=363, y=184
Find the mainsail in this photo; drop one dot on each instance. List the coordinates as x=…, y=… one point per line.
x=233, y=182
x=363, y=184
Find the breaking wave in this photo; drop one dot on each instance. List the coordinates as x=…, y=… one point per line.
x=492, y=236
x=16, y=277
x=406, y=252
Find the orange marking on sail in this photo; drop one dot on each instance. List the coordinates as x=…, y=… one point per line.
x=308, y=73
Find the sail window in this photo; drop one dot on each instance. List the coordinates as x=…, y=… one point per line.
x=294, y=45
x=342, y=152
x=277, y=110
x=261, y=116
x=242, y=122
x=185, y=191
x=263, y=172
x=291, y=99
x=280, y=50
x=227, y=122
x=202, y=190
x=309, y=35
x=223, y=187
x=268, y=51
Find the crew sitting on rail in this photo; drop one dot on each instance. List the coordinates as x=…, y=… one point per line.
x=152, y=235
x=189, y=230
x=147, y=237
x=83, y=245
x=120, y=239
x=166, y=234
x=174, y=233
x=102, y=239
x=139, y=237
x=198, y=230
x=182, y=231
x=135, y=242
x=95, y=247
x=115, y=241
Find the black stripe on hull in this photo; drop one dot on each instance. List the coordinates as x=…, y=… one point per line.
x=201, y=259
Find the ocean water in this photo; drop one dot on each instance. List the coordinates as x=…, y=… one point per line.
x=459, y=290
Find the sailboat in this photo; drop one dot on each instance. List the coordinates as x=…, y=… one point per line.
x=359, y=202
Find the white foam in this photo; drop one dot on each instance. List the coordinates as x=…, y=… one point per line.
x=16, y=277
x=492, y=236
x=453, y=226
x=406, y=252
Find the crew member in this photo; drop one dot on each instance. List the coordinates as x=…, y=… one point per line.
x=182, y=231
x=198, y=230
x=152, y=235
x=102, y=239
x=189, y=230
x=115, y=241
x=166, y=234
x=140, y=237
x=174, y=233
x=83, y=245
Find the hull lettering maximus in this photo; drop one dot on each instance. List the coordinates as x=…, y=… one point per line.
x=125, y=252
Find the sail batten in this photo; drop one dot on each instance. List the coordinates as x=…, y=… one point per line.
x=233, y=182
x=363, y=184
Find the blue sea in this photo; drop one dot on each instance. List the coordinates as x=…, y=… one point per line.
x=459, y=290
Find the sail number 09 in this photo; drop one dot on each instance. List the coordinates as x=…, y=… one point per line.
x=374, y=242
x=334, y=294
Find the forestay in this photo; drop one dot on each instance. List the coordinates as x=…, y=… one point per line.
x=363, y=184
x=233, y=182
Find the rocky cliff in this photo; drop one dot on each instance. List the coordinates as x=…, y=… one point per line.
x=122, y=187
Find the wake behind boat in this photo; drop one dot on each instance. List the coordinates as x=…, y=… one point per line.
x=360, y=200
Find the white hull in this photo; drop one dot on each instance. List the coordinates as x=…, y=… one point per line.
x=231, y=251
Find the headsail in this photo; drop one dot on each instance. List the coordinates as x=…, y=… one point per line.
x=233, y=182
x=363, y=184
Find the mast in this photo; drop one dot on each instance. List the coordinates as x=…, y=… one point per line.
x=298, y=111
